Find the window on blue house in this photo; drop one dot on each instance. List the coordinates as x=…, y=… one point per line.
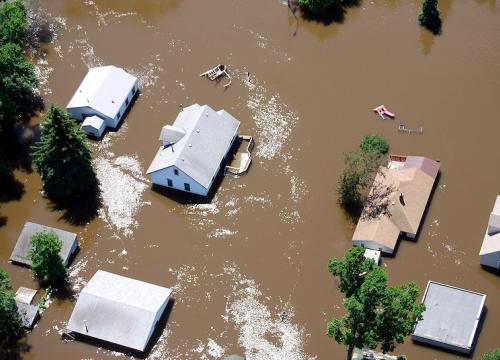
x=169, y=182
x=176, y=172
x=187, y=187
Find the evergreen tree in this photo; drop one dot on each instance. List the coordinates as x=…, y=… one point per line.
x=46, y=262
x=377, y=314
x=63, y=158
x=429, y=16
x=11, y=326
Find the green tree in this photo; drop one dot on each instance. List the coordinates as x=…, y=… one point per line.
x=429, y=16
x=13, y=24
x=354, y=182
x=63, y=158
x=377, y=314
x=46, y=262
x=317, y=6
x=376, y=143
x=11, y=326
x=17, y=76
x=492, y=355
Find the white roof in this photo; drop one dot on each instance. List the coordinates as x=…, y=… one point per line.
x=209, y=135
x=118, y=310
x=93, y=121
x=491, y=241
x=103, y=89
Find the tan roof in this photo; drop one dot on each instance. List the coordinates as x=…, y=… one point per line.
x=385, y=216
x=491, y=242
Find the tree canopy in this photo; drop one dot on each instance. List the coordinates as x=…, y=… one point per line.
x=492, y=355
x=13, y=23
x=63, y=158
x=429, y=17
x=376, y=143
x=46, y=262
x=11, y=326
x=377, y=314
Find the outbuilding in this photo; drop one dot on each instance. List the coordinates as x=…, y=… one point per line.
x=451, y=317
x=193, y=149
x=23, y=246
x=106, y=92
x=490, y=250
x=118, y=310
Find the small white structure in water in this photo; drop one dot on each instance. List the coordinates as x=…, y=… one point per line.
x=193, y=149
x=119, y=310
x=490, y=250
x=373, y=254
x=103, y=97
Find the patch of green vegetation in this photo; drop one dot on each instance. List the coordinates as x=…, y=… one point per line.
x=47, y=264
x=429, y=17
x=492, y=355
x=11, y=326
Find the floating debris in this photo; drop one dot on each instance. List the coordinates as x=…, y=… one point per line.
x=403, y=128
x=383, y=112
x=217, y=72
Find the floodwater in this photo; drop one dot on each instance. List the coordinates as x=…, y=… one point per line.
x=260, y=246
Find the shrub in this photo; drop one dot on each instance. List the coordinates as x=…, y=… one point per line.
x=11, y=326
x=429, y=16
x=375, y=143
x=46, y=262
x=317, y=6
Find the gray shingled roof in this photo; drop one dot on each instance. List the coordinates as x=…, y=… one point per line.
x=451, y=316
x=29, y=314
x=209, y=135
x=23, y=245
x=118, y=310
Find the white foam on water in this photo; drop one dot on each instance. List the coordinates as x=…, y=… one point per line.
x=122, y=191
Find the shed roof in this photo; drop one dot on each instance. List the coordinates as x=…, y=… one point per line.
x=491, y=241
x=23, y=245
x=103, y=89
x=451, y=315
x=415, y=180
x=199, y=153
x=28, y=313
x=118, y=310
x=93, y=121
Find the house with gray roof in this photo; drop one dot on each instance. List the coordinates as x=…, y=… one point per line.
x=193, y=149
x=102, y=98
x=23, y=246
x=451, y=317
x=118, y=310
x=490, y=250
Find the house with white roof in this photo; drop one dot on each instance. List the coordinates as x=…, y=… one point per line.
x=118, y=310
x=102, y=98
x=193, y=149
x=490, y=250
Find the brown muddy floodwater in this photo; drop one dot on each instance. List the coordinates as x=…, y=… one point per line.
x=260, y=246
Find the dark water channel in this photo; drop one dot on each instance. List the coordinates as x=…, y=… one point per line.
x=261, y=245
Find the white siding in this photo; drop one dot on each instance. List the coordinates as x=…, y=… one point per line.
x=369, y=244
x=161, y=177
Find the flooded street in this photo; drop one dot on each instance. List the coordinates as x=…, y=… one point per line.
x=261, y=245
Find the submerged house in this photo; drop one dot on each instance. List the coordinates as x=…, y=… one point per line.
x=397, y=202
x=102, y=98
x=451, y=317
x=118, y=310
x=490, y=250
x=193, y=149
x=23, y=246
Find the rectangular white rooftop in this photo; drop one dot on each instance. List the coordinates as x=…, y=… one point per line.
x=451, y=317
x=119, y=310
x=103, y=89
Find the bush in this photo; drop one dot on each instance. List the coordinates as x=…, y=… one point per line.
x=375, y=143
x=492, y=355
x=14, y=24
x=46, y=262
x=63, y=158
x=11, y=326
